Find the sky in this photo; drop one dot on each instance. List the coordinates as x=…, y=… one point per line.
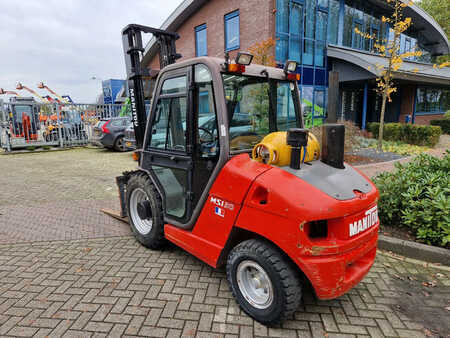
x=65, y=43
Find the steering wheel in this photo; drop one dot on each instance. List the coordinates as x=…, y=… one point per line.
x=208, y=132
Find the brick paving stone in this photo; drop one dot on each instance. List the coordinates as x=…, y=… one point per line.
x=61, y=282
x=89, y=312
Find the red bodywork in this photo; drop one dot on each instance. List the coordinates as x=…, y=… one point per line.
x=279, y=206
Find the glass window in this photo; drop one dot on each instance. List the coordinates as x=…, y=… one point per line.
x=169, y=129
x=308, y=52
x=407, y=45
x=175, y=85
x=320, y=77
x=282, y=16
x=308, y=75
x=321, y=26
x=281, y=49
x=286, y=117
x=207, y=135
x=174, y=182
x=376, y=37
x=357, y=42
x=249, y=107
x=358, y=14
x=295, y=30
x=420, y=104
x=432, y=100
x=333, y=22
x=307, y=105
x=309, y=18
x=319, y=103
x=201, y=44
x=348, y=26
x=202, y=74
x=319, y=59
x=232, y=31
x=322, y=3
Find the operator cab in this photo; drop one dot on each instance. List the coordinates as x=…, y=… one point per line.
x=24, y=117
x=206, y=110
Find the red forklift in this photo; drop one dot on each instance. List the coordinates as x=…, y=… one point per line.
x=227, y=172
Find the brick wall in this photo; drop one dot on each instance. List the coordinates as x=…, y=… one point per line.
x=257, y=23
x=425, y=119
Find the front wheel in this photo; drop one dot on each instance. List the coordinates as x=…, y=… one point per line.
x=263, y=281
x=145, y=214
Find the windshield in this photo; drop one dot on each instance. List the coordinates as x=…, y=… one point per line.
x=256, y=107
x=71, y=117
x=22, y=109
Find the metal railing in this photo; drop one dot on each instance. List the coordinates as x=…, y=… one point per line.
x=31, y=125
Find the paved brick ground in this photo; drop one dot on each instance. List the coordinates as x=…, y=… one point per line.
x=58, y=195
x=114, y=286
x=56, y=280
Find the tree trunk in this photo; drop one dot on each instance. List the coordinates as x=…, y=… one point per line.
x=383, y=109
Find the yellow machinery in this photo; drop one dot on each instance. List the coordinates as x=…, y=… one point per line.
x=273, y=149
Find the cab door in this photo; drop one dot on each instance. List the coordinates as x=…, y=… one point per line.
x=181, y=146
x=167, y=152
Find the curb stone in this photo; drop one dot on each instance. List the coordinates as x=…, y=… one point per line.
x=414, y=250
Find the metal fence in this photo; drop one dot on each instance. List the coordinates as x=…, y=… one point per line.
x=30, y=124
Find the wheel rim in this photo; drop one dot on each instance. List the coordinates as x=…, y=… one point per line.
x=144, y=226
x=254, y=284
x=120, y=144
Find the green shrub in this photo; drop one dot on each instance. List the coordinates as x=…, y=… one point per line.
x=417, y=196
x=444, y=124
x=447, y=115
x=400, y=148
x=408, y=133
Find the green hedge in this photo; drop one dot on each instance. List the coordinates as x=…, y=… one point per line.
x=417, y=196
x=444, y=124
x=408, y=133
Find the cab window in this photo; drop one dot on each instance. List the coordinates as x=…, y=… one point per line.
x=206, y=122
x=169, y=129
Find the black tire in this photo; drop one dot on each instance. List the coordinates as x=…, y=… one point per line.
x=154, y=239
x=285, y=281
x=119, y=145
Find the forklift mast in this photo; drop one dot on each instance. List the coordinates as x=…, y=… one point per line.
x=132, y=47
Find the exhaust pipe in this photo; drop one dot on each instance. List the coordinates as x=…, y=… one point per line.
x=333, y=138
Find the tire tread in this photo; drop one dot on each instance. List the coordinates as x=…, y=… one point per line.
x=142, y=180
x=291, y=285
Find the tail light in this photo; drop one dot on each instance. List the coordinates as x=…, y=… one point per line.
x=105, y=129
x=236, y=68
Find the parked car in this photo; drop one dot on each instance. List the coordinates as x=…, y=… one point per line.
x=110, y=133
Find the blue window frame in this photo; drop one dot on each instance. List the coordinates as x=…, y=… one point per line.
x=201, y=42
x=232, y=31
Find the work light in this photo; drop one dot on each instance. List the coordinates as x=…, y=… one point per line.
x=244, y=58
x=290, y=66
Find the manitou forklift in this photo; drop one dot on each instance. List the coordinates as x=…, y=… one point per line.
x=227, y=172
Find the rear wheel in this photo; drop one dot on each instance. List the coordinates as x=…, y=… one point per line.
x=263, y=281
x=119, y=144
x=145, y=214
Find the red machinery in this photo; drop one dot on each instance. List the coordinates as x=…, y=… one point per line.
x=41, y=85
x=227, y=173
x=8, y=92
